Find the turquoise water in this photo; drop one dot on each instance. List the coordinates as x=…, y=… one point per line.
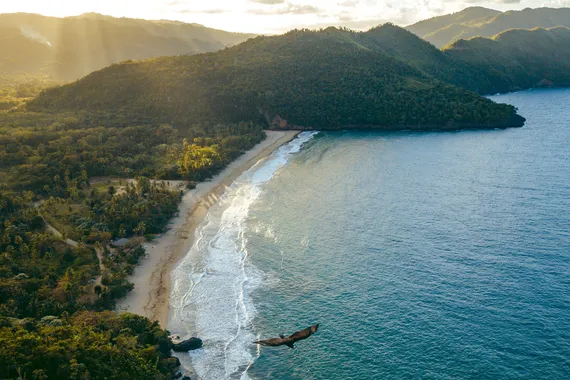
x=421, y=255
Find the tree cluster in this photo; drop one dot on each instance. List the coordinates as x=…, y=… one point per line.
x=87, y=345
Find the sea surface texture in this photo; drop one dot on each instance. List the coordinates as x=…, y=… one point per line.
x=421, y=255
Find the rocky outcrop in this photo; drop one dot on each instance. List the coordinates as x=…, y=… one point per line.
x=280, y=123
x=187, y=345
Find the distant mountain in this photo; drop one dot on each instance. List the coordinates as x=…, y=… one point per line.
x=510, y=61
x=513, y=60
x=444, y=30
x=71, y=47
x=468, y=16
x=329, y=79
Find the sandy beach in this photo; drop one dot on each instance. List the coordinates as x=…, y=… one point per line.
x=151, y=293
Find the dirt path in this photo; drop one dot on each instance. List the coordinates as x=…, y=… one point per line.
x=100, y=256
x=72, y=243
x=59, y=235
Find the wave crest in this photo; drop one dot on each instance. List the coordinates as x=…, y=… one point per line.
x=211, y=286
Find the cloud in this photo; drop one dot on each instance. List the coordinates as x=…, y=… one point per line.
x=185, y=8
x=203, y=11
x=493, y=1
x=268, y=2
x=348, y=3
x=291, y=9
x=357, y=24
x=276, y=16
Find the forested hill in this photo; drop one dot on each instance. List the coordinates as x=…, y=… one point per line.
x=71, y=47
x=514, y=60
x=326, y=79
x=472, y=22
x=510, y=61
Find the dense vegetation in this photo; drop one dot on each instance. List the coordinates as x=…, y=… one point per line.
x=515, y=60
x=86, y=345
x=43, y=274
x=71, y=47
x=510, y=61
x=17, y=89
x=326, y=79
x=99, y=214
x=482, y=22
x=82, y=175
x=46, y=287
x=38, y=151
x=39, y=275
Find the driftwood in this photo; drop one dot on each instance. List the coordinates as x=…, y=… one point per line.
x=290, y=340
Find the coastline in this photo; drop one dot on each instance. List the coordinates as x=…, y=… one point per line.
x=151, y=279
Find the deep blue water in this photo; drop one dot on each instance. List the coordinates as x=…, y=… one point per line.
x=421, y=255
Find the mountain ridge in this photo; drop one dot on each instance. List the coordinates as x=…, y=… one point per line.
x=328, y=79
x=509, y=61
x=446, y=29
x=81, y=44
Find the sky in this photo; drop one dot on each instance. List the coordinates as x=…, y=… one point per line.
x=271, y=16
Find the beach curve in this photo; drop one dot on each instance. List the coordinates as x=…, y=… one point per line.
x=151, y=279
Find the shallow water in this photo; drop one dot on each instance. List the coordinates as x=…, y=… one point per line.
x=422, y=255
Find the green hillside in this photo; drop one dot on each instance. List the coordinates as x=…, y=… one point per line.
x=514, y=60
x=71, y=47
x=510, y=61
x=407, y=47
x=326, y=79
x=444, y=30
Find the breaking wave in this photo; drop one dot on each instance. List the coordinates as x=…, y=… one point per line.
x=211, y=287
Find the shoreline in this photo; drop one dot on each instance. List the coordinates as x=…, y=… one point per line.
x=151, y=279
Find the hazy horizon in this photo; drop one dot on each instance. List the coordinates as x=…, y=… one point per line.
x=273, y=16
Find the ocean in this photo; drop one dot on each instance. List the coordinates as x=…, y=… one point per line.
x=422, y=255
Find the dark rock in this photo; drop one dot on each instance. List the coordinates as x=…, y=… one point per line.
x=187, y=345
x=186, y=378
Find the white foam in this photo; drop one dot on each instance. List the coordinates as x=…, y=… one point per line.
x=211, y=287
